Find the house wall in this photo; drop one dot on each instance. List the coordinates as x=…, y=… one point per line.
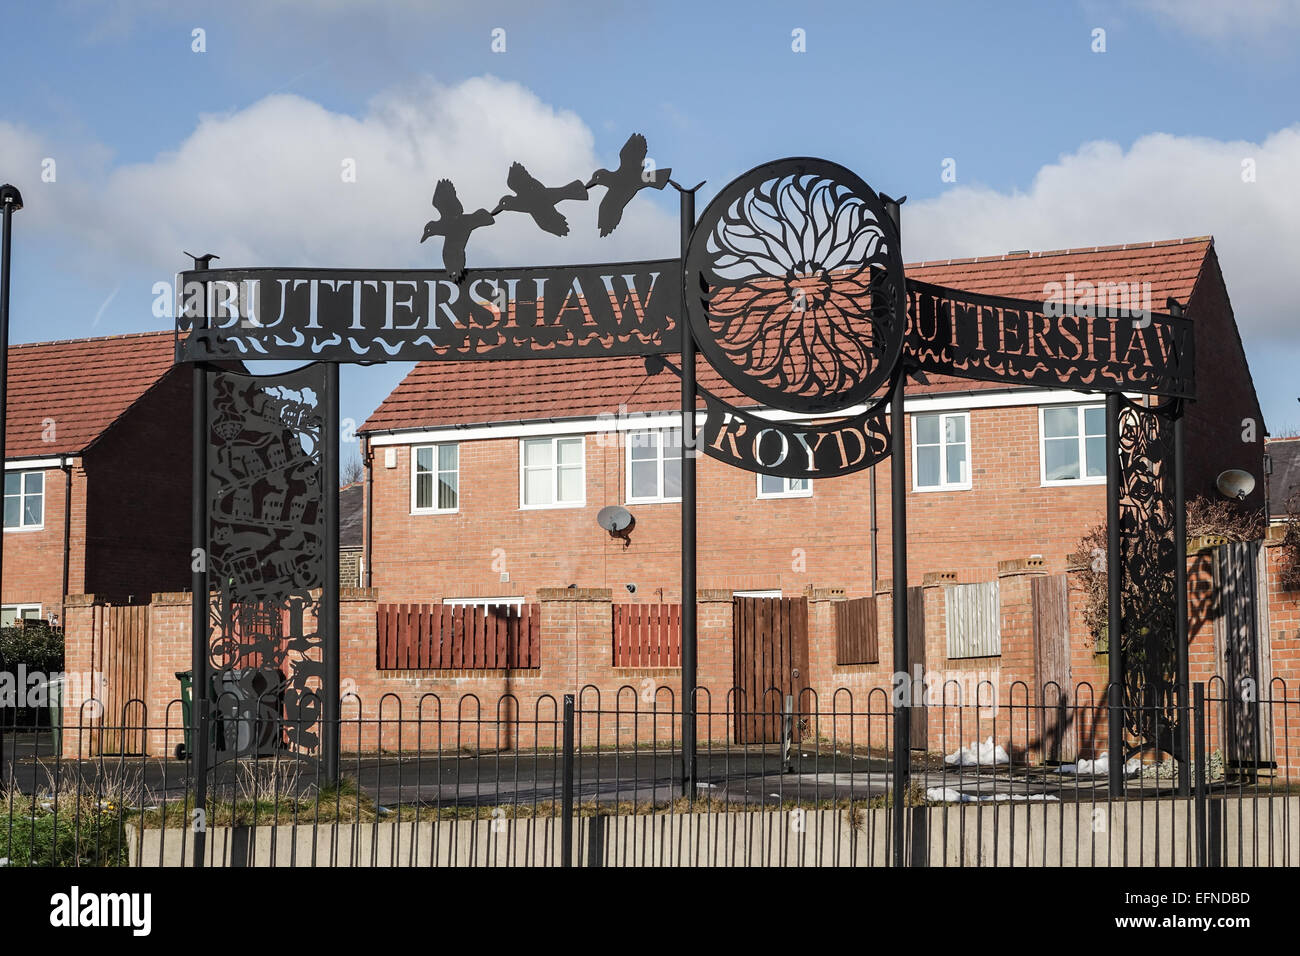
x=33, y=560
x=744, y=542
x=138, y=511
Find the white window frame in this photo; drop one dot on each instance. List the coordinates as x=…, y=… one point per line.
x=659, y=498
x=944, y=484
x=761, y=593
x=1084, y=478
x=22, y=498
x=415, y=509
x=555, y=472
x=785, y=491
x=18, y=611
x=487, y=603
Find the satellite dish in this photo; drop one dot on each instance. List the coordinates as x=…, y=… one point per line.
x=1235, y=483
x=614, y=519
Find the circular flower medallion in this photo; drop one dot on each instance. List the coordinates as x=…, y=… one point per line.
x=795, y=288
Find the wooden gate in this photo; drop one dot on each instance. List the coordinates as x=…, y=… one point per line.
x=120, y=653
x=770, y=660
x=1239, y=571
x=1057, y=735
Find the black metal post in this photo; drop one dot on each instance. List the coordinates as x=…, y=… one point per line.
x=1198, y=718
x=200, y=596
x=1180, y=601
x=329, y=610
x=903, y=685
x=689, y=677
x=1114, y=569
x=902, y=680
x=566, y=797
x=12, y=200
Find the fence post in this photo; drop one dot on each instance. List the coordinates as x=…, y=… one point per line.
x=787, y=732
x=566, y=800
x=1198, y=718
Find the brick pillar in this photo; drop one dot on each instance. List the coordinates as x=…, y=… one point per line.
x=1018, y=726
x=170, y=652
x=80, y=616
x=715, y=667
x=821, y=645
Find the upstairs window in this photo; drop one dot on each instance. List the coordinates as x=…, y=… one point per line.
x=654, y=465
x=552, y=473
x=24, y=500
x=774, y=486
x=435, y=479
x=1072, y=444
x=941, y=451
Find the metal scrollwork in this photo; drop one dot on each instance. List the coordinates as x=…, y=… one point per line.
x=266, y=542
x=795, y=286
x=1148, y=590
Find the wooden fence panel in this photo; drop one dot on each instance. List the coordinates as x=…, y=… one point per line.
x=446, y=637
x=856, y=641
x=646, y=635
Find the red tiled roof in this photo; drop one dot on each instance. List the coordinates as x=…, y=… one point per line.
x=83, y=385
x=465, y=393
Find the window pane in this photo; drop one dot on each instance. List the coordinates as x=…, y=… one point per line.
x=771, y=485
x=927, y=429
x=423, y=490
x=1096, y=452
x=645, y=479
x=33, y=482
x=927, y=466
x=34, y=510
x=570, y=484
x=1060, y=422
x=448, y=457
x=537, y=451
x=13, y=510
x=1094, y=420
x=673, y=476
x=570, y=451
x=672, y=442
x=644, y=445
x=423, y=459
x=12, y=483
x=1061, y=459
x=954, y=427
x=956, y=464
x=7, y=617
x=537, y=486
x=447, y=485
x=797, y=484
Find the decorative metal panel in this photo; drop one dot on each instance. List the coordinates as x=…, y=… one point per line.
x=974, y=620
x=351, y=315
x=1148, y=597
x=265, y=560
x=1021, y=342
x=795, y=288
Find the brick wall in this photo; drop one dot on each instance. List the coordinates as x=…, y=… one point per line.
x=33, y=560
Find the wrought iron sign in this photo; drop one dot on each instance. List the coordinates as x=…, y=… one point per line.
x=792, y=286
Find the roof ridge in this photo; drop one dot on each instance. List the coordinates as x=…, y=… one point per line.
x=92, y=338
x=1044, y=254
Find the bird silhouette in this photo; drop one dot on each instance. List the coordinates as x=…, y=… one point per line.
x=454, y=225
x=539, y=201
x=625, y=182
x=201, y=262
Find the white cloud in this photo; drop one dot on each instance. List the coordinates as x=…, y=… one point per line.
x=1227, y=19
x=1163, y=187
x=264, y=185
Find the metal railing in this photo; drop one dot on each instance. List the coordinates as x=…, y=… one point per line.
x=596, y=779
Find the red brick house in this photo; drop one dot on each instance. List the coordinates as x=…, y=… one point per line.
x=485, y=478
x=97, y=475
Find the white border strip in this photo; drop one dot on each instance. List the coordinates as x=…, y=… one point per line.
x=32, y=464
x=629, y=421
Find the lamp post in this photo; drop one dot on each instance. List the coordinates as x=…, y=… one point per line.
x=11, y=200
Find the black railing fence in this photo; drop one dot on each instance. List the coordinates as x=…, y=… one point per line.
x=596, y=779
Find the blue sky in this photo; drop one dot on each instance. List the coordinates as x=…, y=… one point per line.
x=236, y=149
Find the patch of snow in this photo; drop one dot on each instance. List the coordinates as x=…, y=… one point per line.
x=1099, y=767
x=950, y=795
x=987, y=754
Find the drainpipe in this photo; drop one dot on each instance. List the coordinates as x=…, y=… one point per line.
x=875, y=530
x=67, y=538
x=368, y=459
